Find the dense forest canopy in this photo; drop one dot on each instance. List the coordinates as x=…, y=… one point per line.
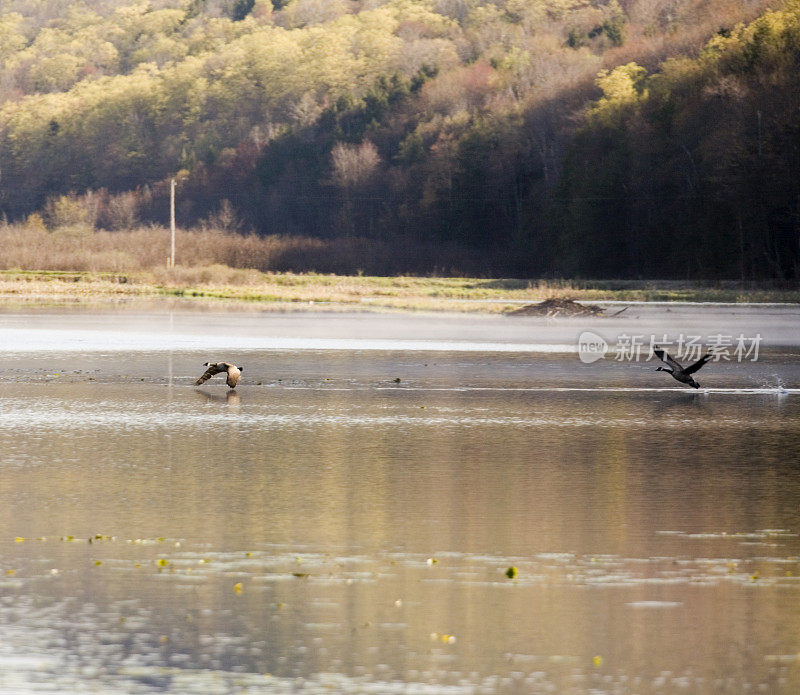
x=589, y=137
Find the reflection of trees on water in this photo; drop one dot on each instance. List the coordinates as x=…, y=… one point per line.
x=468, y=470
x=377, y=484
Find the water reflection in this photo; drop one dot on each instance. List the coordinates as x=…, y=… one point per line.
x=231, y=397
x=349, y=538
x=697, y=400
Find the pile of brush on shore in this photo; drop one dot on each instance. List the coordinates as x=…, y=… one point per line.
x=558, y=307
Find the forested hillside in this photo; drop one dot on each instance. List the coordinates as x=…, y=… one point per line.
x=562, y=137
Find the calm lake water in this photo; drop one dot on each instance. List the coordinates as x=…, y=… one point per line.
x=327, y=528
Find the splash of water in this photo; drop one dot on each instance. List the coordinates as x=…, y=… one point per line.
x=776, y=383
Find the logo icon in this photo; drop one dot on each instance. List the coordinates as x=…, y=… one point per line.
x=591, y=347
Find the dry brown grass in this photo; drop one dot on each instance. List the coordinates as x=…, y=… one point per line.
x=77, y=264
x=79, y=247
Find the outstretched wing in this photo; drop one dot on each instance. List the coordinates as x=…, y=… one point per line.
x=211, y=371
x=664, y=357
x=692, y=368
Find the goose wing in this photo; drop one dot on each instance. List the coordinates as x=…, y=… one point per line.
x=692, y=368
x=213, y=368
x=664, y=357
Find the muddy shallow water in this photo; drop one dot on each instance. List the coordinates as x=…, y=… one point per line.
x=327, y=528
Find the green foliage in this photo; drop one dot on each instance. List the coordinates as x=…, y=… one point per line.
x=478, y=122
x=623, y=83
x=613, y=25
x=71, y=213
x=608, y=31
x=702, y=153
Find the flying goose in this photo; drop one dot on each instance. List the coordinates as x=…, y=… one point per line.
x=234, y=373
x=682, y=374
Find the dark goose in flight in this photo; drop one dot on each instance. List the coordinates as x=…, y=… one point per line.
x=682, y=374
x=234, y=373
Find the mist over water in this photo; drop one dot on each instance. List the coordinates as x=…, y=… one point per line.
x=326, y=527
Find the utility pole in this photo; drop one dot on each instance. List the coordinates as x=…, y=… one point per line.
x=172, y=222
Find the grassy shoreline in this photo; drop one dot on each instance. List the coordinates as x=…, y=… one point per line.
x=295, y=292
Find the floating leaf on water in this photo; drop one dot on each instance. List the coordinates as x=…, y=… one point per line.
x=97, y=563
x=444, y=638
x=511, y=572
x=300, y=575
x=19, y=539
x=597, y=660
x=431, y=561
x=11, y=573
x=237, y=587
x=161, y=562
